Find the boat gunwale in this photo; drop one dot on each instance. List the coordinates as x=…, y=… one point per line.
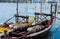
x=40, y=32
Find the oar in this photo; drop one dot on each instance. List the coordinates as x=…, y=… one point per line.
x=8, y=20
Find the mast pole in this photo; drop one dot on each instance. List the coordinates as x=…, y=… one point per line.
x=17, y=11
x=41, y=7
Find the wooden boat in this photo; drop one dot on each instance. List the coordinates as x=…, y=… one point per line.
x=28, y=30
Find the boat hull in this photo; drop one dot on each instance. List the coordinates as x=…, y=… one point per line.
x=40, y=32
x=44, y=35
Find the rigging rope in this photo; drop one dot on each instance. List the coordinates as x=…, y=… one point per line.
x=8, y=20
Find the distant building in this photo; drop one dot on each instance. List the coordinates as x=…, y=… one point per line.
x=25, y=1
x=21, y=1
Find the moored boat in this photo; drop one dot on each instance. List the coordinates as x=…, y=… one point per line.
x=26, y=29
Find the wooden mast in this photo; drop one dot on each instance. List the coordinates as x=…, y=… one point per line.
x=17, y=12
x=41, y=7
